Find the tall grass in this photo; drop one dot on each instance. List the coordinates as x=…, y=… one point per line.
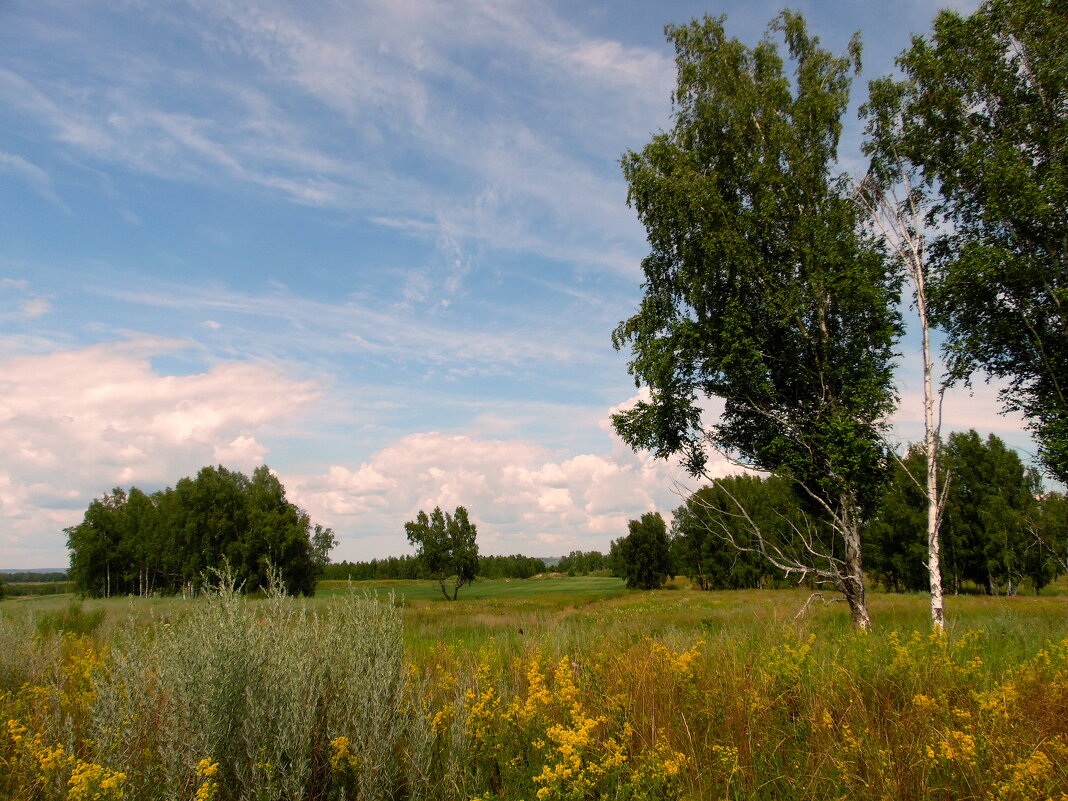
x=231, y=700
x=539, y=694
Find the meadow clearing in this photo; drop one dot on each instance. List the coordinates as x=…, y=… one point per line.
x=552, y=689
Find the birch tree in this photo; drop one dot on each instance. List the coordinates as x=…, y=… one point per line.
x=985, y=118
x=761, y=289
x=892, y=196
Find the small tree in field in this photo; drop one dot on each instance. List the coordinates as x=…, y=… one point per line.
x=446, y=546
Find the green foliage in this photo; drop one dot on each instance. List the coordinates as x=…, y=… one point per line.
x=713, y=538
x=985, y=531
x=761, y=288
x=515, y=566
x=1046, y=554
x=997, y=530
x=32, y=577
x=643, y=557
x=583, y=563
x=445, y=544
x=390, y=567
x=895, y=542
x=134, y=543
x=26, y=588
x=983, y=107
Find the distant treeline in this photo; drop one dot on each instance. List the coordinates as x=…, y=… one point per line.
x=24, y=588
x=582, y=563
x=30, y=577
x=409, y=567
x=133, y=543
x=999, y=530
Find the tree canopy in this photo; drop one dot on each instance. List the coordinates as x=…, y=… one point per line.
x=130, y=542
x=761, y=288
x=643, y=557
x=984, y=110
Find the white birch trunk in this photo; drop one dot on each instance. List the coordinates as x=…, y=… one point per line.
x=901, y=225
x=934, y=508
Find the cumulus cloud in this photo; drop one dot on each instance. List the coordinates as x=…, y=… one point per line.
x=78, y=422
x=524, y=497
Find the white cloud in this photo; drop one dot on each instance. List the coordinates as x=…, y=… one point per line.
x=76, y=423
x=523, y=497
x=37, y=178
x=35, y=307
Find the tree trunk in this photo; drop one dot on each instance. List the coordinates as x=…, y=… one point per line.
x=853, y=578
x=934, y=568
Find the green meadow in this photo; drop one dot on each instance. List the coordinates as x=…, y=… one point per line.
x=551, y=688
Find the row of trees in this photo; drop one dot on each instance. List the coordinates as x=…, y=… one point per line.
x=583, y=563
x=411, y=567
x=998, y=530
x=32, y=577
x=773, y=283
x=131, y=542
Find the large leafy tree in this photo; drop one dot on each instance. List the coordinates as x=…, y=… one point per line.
x=991, y=503
x=760, y=288
x=985, y=109
x=445, y=545
x=131, y=542
x=643, y=557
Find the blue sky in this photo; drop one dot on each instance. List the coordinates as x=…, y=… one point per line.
x=380, y=246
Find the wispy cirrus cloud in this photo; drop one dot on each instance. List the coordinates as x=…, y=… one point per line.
x=37, y=178
x=279, y=325
x=428, y=128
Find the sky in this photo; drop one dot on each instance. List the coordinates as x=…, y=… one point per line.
x=378, y=246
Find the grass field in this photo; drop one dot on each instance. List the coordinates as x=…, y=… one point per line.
x=563, y=688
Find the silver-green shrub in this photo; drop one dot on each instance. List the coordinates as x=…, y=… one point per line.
x=265, y=690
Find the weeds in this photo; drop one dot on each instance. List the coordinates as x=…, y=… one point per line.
x=631, y=697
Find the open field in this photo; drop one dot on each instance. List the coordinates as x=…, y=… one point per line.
x=569, y=688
